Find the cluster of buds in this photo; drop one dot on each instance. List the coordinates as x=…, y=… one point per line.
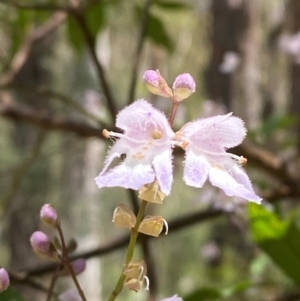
x=53, y=249
x=135, y=272
x=183, y=86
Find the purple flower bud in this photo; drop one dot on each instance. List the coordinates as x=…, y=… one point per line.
x=79, y=265
x=4, y=280
x=69, y=295
x=40, y=242
x=48, y=215
x=184, y=85
x=156, y=84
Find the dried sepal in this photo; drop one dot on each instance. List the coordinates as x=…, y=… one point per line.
x=153, y=225
x=136, y=269
x=151, y=193
x=124, y=217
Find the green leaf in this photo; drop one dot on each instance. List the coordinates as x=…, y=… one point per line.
x=204, y=294
x=279, y=239
x=156, y=30
x=171, y=5
x=74, y=34
x=11, y=295
x=95, y=18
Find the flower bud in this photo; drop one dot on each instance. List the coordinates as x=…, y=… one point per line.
x=42, y=245
x=184, y=85
x=4, y=280
x=151, y=193
x=156, y=84
x=48, y=215
x=153, y=225
x=124, y=217
x=79, y=265
x=135, y=284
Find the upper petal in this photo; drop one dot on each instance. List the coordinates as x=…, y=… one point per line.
x=141, y=119
x=196, y=169
x=127, y=176
x=222, y=179
x=215, y=133
x=174, y=298
x=163, y=167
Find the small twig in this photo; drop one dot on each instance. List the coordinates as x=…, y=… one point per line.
x=139, y=50
x=91, y=43
x=42, y=91
x=68, y=263
x=52, y=284
x=173, y=111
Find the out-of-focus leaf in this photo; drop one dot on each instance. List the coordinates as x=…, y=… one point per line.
x=74, y=34
x=279, y=239
x=171, y=5
x=156, y=31
x=95, y=17
x=11, y=295
x=278, y=122
x=235, y=289
x=204, y=294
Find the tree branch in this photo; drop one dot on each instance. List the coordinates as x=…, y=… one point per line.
x=91, y=43
x=139, y=49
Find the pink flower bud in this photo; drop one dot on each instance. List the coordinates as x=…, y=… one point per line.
x=4, y=280
x=40, y=242
x=184, y=85
x=48, y=215
x=69, y=295
x=156, y=84
x=79, y=265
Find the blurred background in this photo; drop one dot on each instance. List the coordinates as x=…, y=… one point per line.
x=68, y=67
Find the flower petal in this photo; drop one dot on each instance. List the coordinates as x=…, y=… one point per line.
x=222, y=179
x=215, y=133
x=126, y=176
x=140, y=119
x=196, y=169
x=163, y=167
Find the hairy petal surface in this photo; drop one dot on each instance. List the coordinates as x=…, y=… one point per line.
x=215, y=133
x=222, y=179
x=163, y=167
x=196, y=169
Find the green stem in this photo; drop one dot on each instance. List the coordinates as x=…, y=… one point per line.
x=130, y=250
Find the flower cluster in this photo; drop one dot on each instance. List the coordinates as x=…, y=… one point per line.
x=148, y=139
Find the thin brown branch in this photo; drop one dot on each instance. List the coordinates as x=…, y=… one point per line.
x=33, y=37
x=139, y=50
x=175, y=224
x=91, y=44
x=45, y=120
x=45, y=92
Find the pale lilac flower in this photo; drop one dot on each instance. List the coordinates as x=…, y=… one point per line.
x=174, y=298
x=40, y=242
x=4, y=280
x=183, y=86
x=147, y=144
x=205, y=142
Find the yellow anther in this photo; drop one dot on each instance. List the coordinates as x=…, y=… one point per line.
x=242, y=161
x=157, y=135
x=105, y=133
